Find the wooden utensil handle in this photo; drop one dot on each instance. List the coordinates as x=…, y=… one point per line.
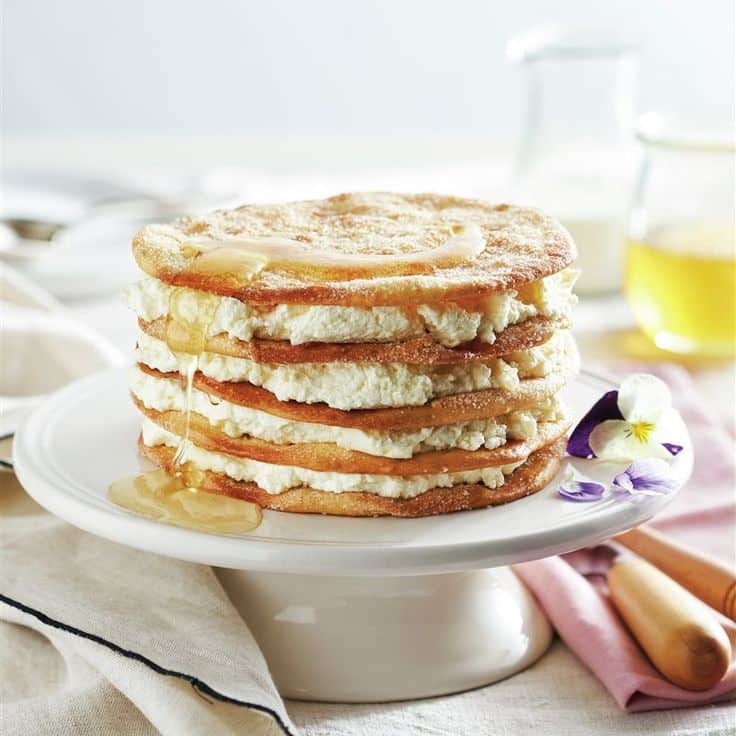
x=708, y=579
x=681, y=637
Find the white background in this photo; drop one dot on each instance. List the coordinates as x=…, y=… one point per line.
x=223, y=67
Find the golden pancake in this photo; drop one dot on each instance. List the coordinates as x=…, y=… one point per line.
x=520, y=245
x=445, y=410
x=323, y=456
x=419, y=351
x=532, y=476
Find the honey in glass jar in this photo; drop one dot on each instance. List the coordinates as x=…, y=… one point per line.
x=681, y=257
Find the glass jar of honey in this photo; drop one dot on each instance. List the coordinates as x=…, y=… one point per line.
x=680, y=273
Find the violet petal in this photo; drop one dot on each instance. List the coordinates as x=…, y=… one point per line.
x=623, y=482
x=672, y=448
x=581, y=490
x=605, y=408
x=648, y=476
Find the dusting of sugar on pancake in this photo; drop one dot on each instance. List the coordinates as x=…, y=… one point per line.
x=248, y=257
x=521, y=245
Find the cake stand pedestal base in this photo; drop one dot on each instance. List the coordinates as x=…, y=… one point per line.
x=349, y=610
x=368, y=639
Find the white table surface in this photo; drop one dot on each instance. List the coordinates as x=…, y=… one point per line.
x=557, y=695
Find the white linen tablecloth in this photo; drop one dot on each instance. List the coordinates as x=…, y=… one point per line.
x=53, y=682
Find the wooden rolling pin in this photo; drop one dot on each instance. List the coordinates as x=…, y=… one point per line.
x=681, y=637
x=704, y=577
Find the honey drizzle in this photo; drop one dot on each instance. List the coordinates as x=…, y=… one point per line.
x=189, y=366
x=247, y=257
x=177, y=497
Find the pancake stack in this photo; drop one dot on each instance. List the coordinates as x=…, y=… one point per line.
x=364, y=355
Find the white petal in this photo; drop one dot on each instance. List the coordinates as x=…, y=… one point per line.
x=611, y=440
x=643, y=397
x=608, y=435
x=668, y=427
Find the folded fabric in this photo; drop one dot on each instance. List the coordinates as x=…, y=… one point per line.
x=187, y=656
x=102, y=638
x=702, y=515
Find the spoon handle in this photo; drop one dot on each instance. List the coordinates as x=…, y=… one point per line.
x=708, y=579
x=680, y=635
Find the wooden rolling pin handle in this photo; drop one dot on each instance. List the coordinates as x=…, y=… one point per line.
x=708, y=579
x=681, y=637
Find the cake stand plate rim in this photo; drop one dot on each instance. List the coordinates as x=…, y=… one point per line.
x=92, y=418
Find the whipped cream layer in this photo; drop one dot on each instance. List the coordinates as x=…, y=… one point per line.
x=274, y=478
x=162, y=394
x=349, y=386
x=449, y=323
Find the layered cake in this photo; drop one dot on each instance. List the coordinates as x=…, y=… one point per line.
x=367, y=354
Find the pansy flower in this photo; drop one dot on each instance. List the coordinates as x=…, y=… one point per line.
x=635, y=422
x=647, y=477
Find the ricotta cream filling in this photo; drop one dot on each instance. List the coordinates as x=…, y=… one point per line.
x=279, y=478
x=449, y=324
x=162, y=394
x=367, y=385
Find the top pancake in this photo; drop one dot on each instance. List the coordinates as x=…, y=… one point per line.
x=521, y=245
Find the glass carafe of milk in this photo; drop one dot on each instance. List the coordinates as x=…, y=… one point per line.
x=576, y=157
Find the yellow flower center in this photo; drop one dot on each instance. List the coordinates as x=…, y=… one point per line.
x=641, y=430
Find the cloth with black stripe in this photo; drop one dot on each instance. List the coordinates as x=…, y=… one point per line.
x=95, y=637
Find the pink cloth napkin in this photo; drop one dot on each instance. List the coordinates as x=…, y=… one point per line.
x=702, y=516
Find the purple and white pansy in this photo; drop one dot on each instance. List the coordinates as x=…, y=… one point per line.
x=631, y=423
x=634, y=424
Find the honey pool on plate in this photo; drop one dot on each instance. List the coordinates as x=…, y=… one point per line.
x=681, y=284
x=177, y=497
x=175, y=500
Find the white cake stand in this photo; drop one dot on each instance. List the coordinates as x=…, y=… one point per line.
x=349, y=610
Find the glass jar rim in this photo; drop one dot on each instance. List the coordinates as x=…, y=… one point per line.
x=567, y=41
x=653, y=129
